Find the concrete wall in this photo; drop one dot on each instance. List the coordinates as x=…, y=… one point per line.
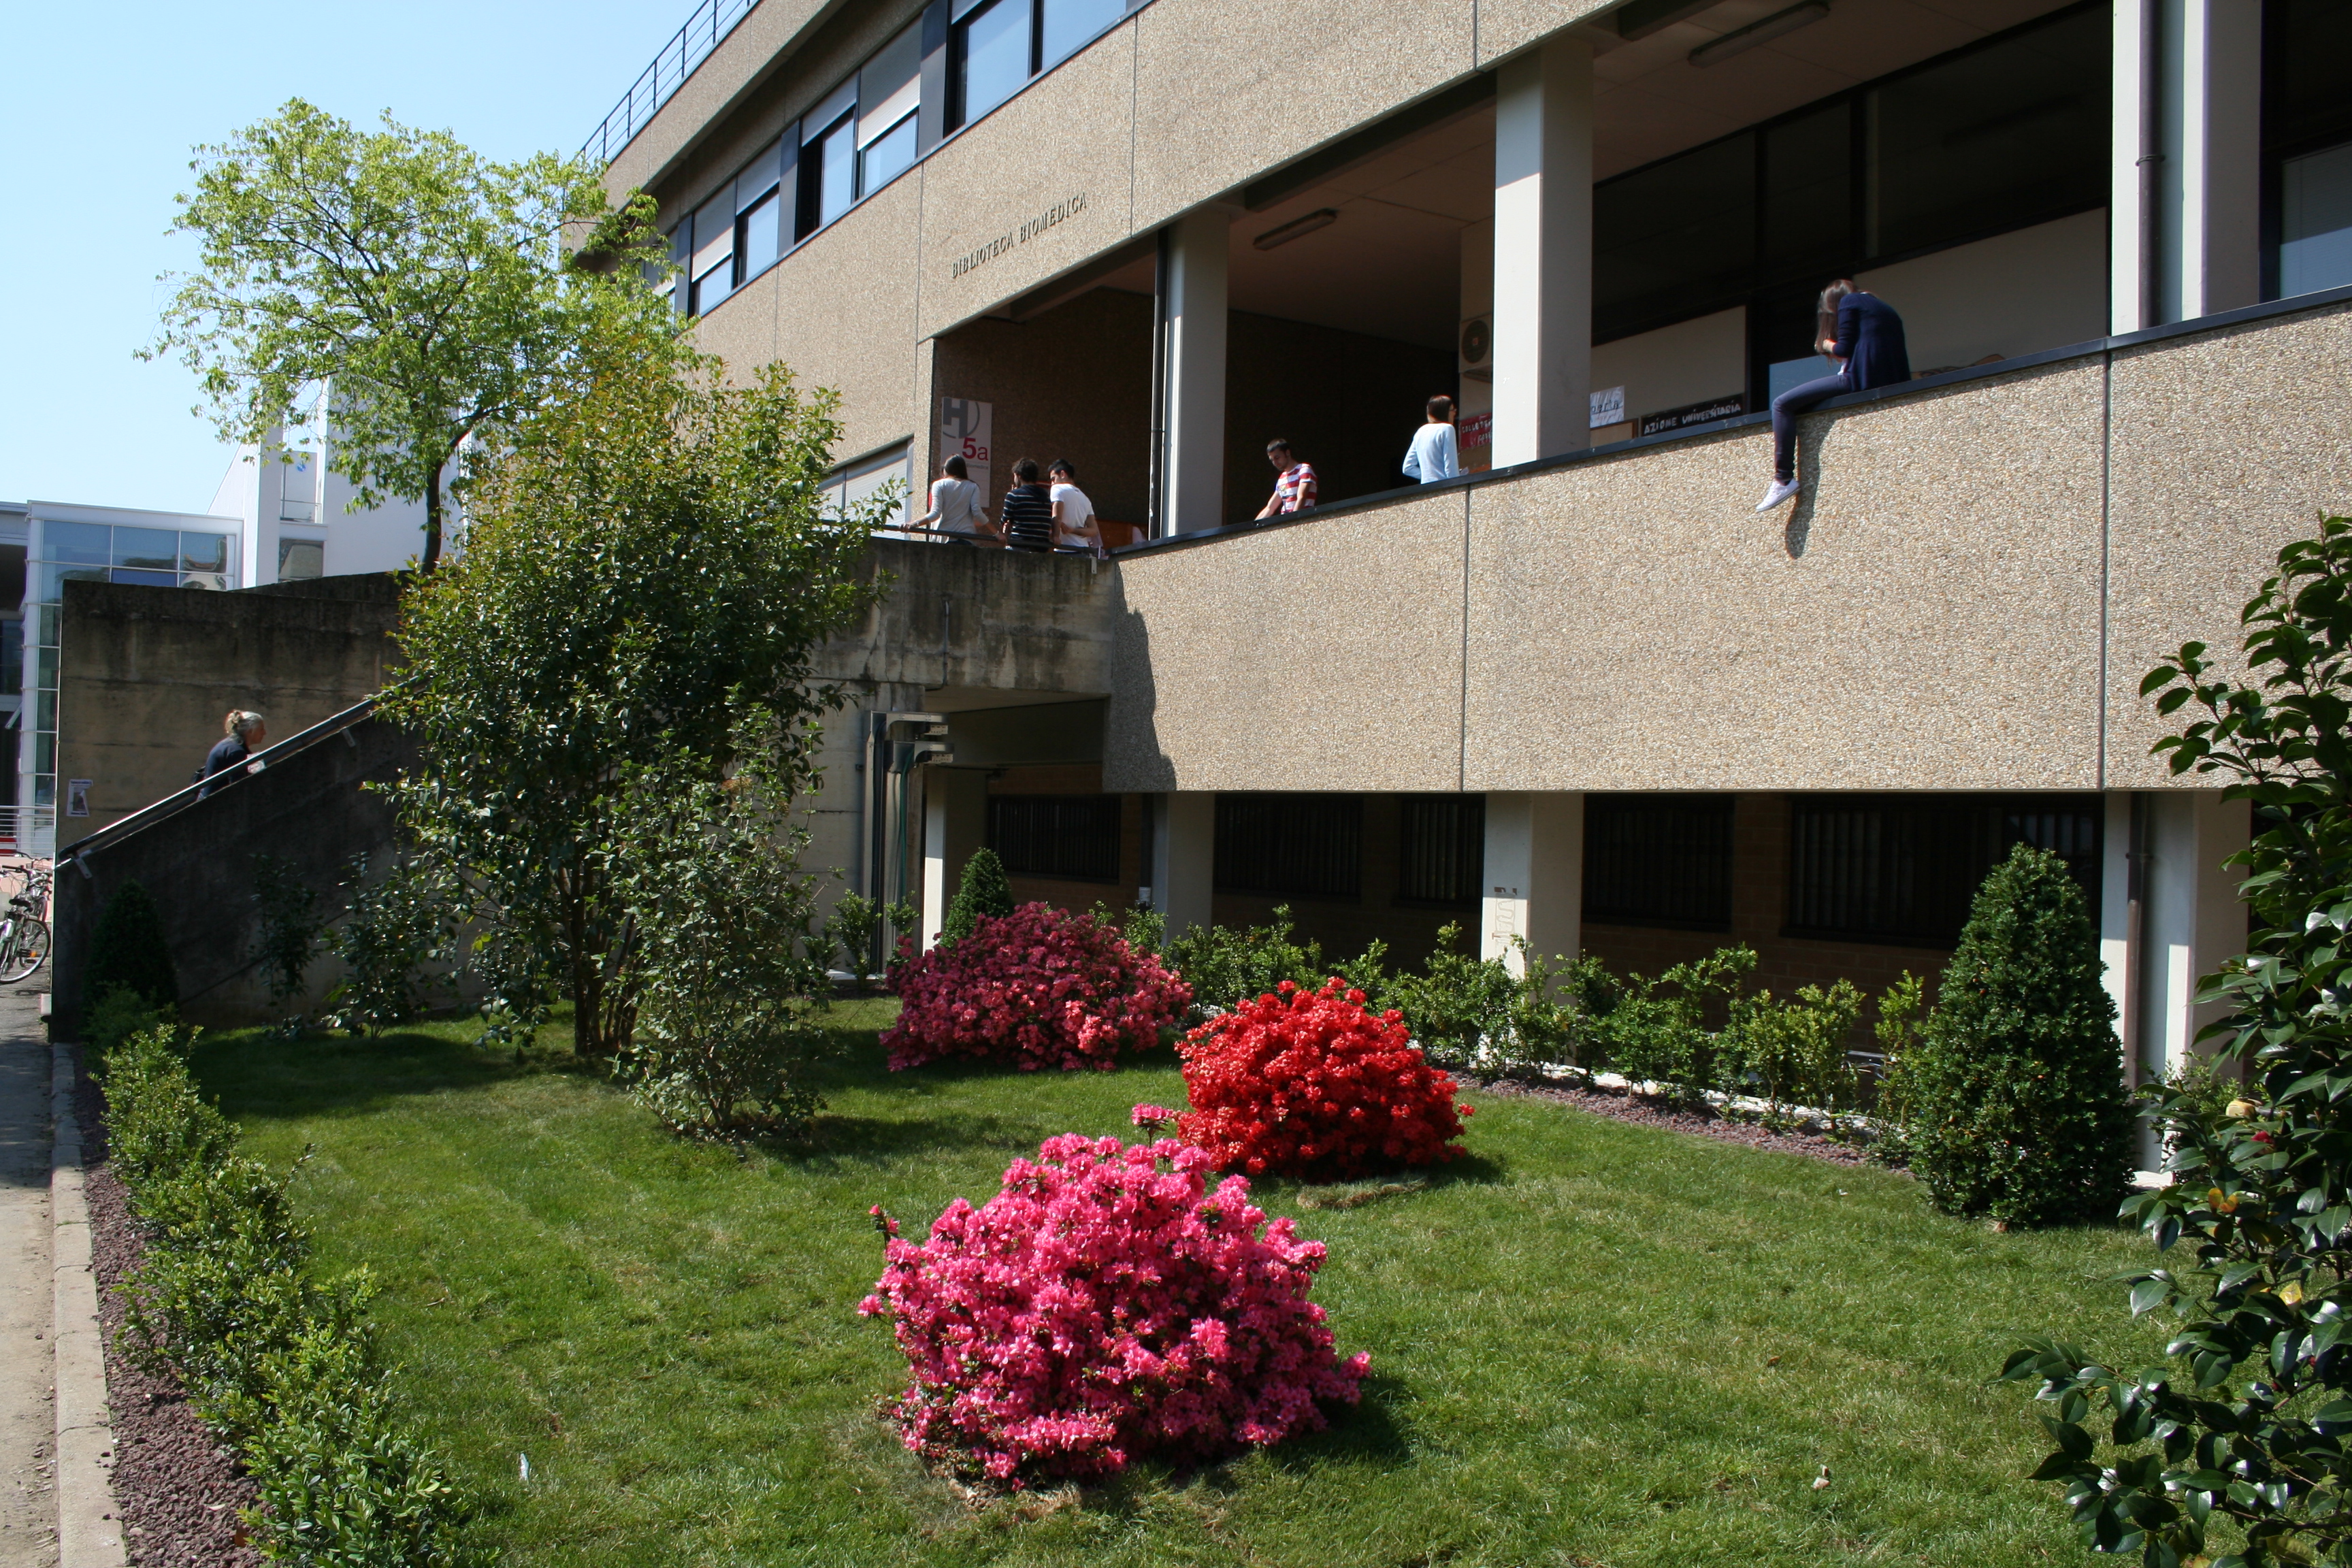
x=145, y=675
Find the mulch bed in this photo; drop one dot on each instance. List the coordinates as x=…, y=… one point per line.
x=177, y=1489
x=1701, y=1121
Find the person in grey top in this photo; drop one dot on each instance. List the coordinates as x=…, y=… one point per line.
x=955, y=505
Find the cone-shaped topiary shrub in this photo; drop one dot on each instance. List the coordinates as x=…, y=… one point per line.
x=983, y=891
x=128, y=951
x=1105, y=1307
x=2017, y=1094
x=1313, y=1084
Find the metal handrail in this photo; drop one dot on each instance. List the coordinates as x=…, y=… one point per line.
x=710, y=22
x=180, y=799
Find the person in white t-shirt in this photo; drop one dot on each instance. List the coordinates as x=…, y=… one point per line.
x=1074, y=514
x=1432, y=456
x=955, y=506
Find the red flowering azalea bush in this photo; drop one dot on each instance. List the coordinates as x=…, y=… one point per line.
x=1105, y=1307
x=1040, y=988
x=1312, y=1083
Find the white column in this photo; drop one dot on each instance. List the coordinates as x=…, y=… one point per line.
x=1543, y=253
x=1195, y=311
x=1184, y=858
x=2120, y=901
x=2184, y=202
x=955, y=810
x=2192, y=918
x=1534, y=877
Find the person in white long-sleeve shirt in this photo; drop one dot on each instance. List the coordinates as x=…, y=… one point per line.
x=1432, y=455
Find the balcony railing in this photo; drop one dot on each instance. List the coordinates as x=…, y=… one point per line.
x=711, y=21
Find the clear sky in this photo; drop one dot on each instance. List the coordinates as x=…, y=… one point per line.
x=104, y=103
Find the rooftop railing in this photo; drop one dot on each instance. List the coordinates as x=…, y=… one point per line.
x=711, y=21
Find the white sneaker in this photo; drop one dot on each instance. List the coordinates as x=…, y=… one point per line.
x=1781, y=491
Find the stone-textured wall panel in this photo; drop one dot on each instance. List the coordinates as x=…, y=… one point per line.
x=743, y=329
x=1036, y=188
x=1226, y=90
x=1505, y=25
x=1928, y=616
x=846, y=315
x=2227, y=447
x=1319, y=656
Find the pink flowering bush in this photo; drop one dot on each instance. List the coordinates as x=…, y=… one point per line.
x=1040, y=987
x=1104, y=1308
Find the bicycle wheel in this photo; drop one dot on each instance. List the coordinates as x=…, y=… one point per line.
x=27, y=951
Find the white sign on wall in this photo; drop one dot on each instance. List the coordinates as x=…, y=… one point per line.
x=1608, y=406
x=968, y=429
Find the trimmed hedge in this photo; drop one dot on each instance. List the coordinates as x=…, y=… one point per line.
x=280, y=1365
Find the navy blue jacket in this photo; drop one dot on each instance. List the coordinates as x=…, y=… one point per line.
x=227, y=753
x=1870, y=341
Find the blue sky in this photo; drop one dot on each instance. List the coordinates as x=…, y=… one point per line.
x=105, y=103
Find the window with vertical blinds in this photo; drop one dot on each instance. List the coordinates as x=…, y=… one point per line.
x=1291, y=846
x=1440, y=848
x=1071, y=836
x=1906, y=870
x=1658, y=860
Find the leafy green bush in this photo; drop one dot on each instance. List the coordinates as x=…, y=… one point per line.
x=1479, y=1013
x=127, y=950
x=1225, y=967
x=290, y=927
x=984, y=891
x=1655, y=1030
x=2019, y=1106
x=1902, y=1013
x=114, y=1018
x=278, y=1364
x=855, y=930
x=1794, y=1052
x=398, y=925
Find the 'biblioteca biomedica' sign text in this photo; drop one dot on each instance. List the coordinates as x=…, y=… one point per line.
x=1030, y=229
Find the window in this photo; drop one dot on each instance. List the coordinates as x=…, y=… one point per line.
x=1069, y=25
x=889, y=90
x=1441, y=849
x=1658, y=860
x=993, y=54
x=1906, y=870
x=2306, y=147
x=1074, y=837
x=713, y=267
x=299, y=558
x=759, y=208
x=828, y=161
x=1290, y=846
x=1676, y=231
x=853, y=484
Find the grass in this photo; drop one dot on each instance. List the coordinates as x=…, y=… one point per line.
x=1593, y=1343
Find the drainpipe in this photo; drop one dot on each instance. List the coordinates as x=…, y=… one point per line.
x=2151, y=169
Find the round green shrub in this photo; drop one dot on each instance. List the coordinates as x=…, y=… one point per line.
x=985, y=890
x=128, y=951
x=2018, y=1105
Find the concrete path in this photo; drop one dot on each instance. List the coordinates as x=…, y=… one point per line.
x=29, y=1513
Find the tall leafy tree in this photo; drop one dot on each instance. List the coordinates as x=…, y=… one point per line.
x=430, y=287
x=653, y=558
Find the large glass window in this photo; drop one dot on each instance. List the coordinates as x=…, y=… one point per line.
x=1807, y=210
x=2308, y=145
x=829, y=163
x=889, y=90
x=992, y=54
x=759, y=237
x=1069, y=25
x=714, y=250
x=1671, y=234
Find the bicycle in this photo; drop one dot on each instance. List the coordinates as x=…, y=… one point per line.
x=24, y=934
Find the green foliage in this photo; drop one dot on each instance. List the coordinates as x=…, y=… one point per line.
x=1655, y=1030
x=1225, y=967
x=1795, y=1050
x=653, y=547
x=2247, y=1424
x=292, y=927
x=114, y=1018
x=984, y=891
x=278, y=1364
x=1143, y=930
x=398, y=925
x=721, y=916
x=855, y=930
x=1902, y=1016
x=426, y=285
x=1488, y=1016
x=127, y=950
x=2018, y=1104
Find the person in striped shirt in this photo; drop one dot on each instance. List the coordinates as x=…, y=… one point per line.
x=1294, y=483
x=1028, y=511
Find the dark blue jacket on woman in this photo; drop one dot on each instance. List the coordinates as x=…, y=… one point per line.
x=1870, y=341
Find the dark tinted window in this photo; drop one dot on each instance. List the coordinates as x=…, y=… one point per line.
x=1440, y=848
x=1997, y=138
x=1907, y=870
x=1670, y=235
x=1071, y=836
x=1290, y=846
x=1658, y=859
x=1808, y=207
x=2305, y=54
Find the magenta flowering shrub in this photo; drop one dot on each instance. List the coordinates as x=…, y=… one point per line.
x=1040, y=987
x=1105, y=1307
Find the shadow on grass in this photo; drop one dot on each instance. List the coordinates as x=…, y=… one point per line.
x=837, y=1141
x=330, y=1076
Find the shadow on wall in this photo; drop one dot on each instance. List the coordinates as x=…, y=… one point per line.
x=1133, y=760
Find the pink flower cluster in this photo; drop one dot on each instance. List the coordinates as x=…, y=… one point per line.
x=1040, y=987
x=1105, y=1307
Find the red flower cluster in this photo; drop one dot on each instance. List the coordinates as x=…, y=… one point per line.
x=1107, y=1305
x=1310, y=1083
x=1040, y=988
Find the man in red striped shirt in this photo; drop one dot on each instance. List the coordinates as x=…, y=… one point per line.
x=1294, y=484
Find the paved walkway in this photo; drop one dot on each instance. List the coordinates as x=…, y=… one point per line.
x=28, y=1514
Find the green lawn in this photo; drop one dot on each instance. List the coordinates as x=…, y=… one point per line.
x=1595, y=1344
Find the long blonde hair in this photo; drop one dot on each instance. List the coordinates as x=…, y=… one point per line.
x=1825, y=312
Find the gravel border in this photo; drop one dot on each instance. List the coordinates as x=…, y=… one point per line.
x=1622, y=1105
x=180, y=1490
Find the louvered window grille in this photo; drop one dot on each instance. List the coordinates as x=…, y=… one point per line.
x=1290, y=846
x=1440, y=848
x=1907, y=870
x=1071, y=836
x=1658, y=860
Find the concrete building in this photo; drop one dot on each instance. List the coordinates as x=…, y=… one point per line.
x=1584, y=694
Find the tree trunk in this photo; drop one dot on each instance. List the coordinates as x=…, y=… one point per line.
x=587, y=987
x=432, y=520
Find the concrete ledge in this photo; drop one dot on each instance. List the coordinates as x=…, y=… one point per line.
x=90, y=1527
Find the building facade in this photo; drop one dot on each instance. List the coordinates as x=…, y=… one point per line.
x=1584, y=694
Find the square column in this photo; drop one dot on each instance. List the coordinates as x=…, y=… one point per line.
x=1192, y=321
x=955, y=823
x=1543, y=253
x=2192, y=920
x=1184, y=868
x=1534, y=877
x=2122, y=898
x=2185, y=198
